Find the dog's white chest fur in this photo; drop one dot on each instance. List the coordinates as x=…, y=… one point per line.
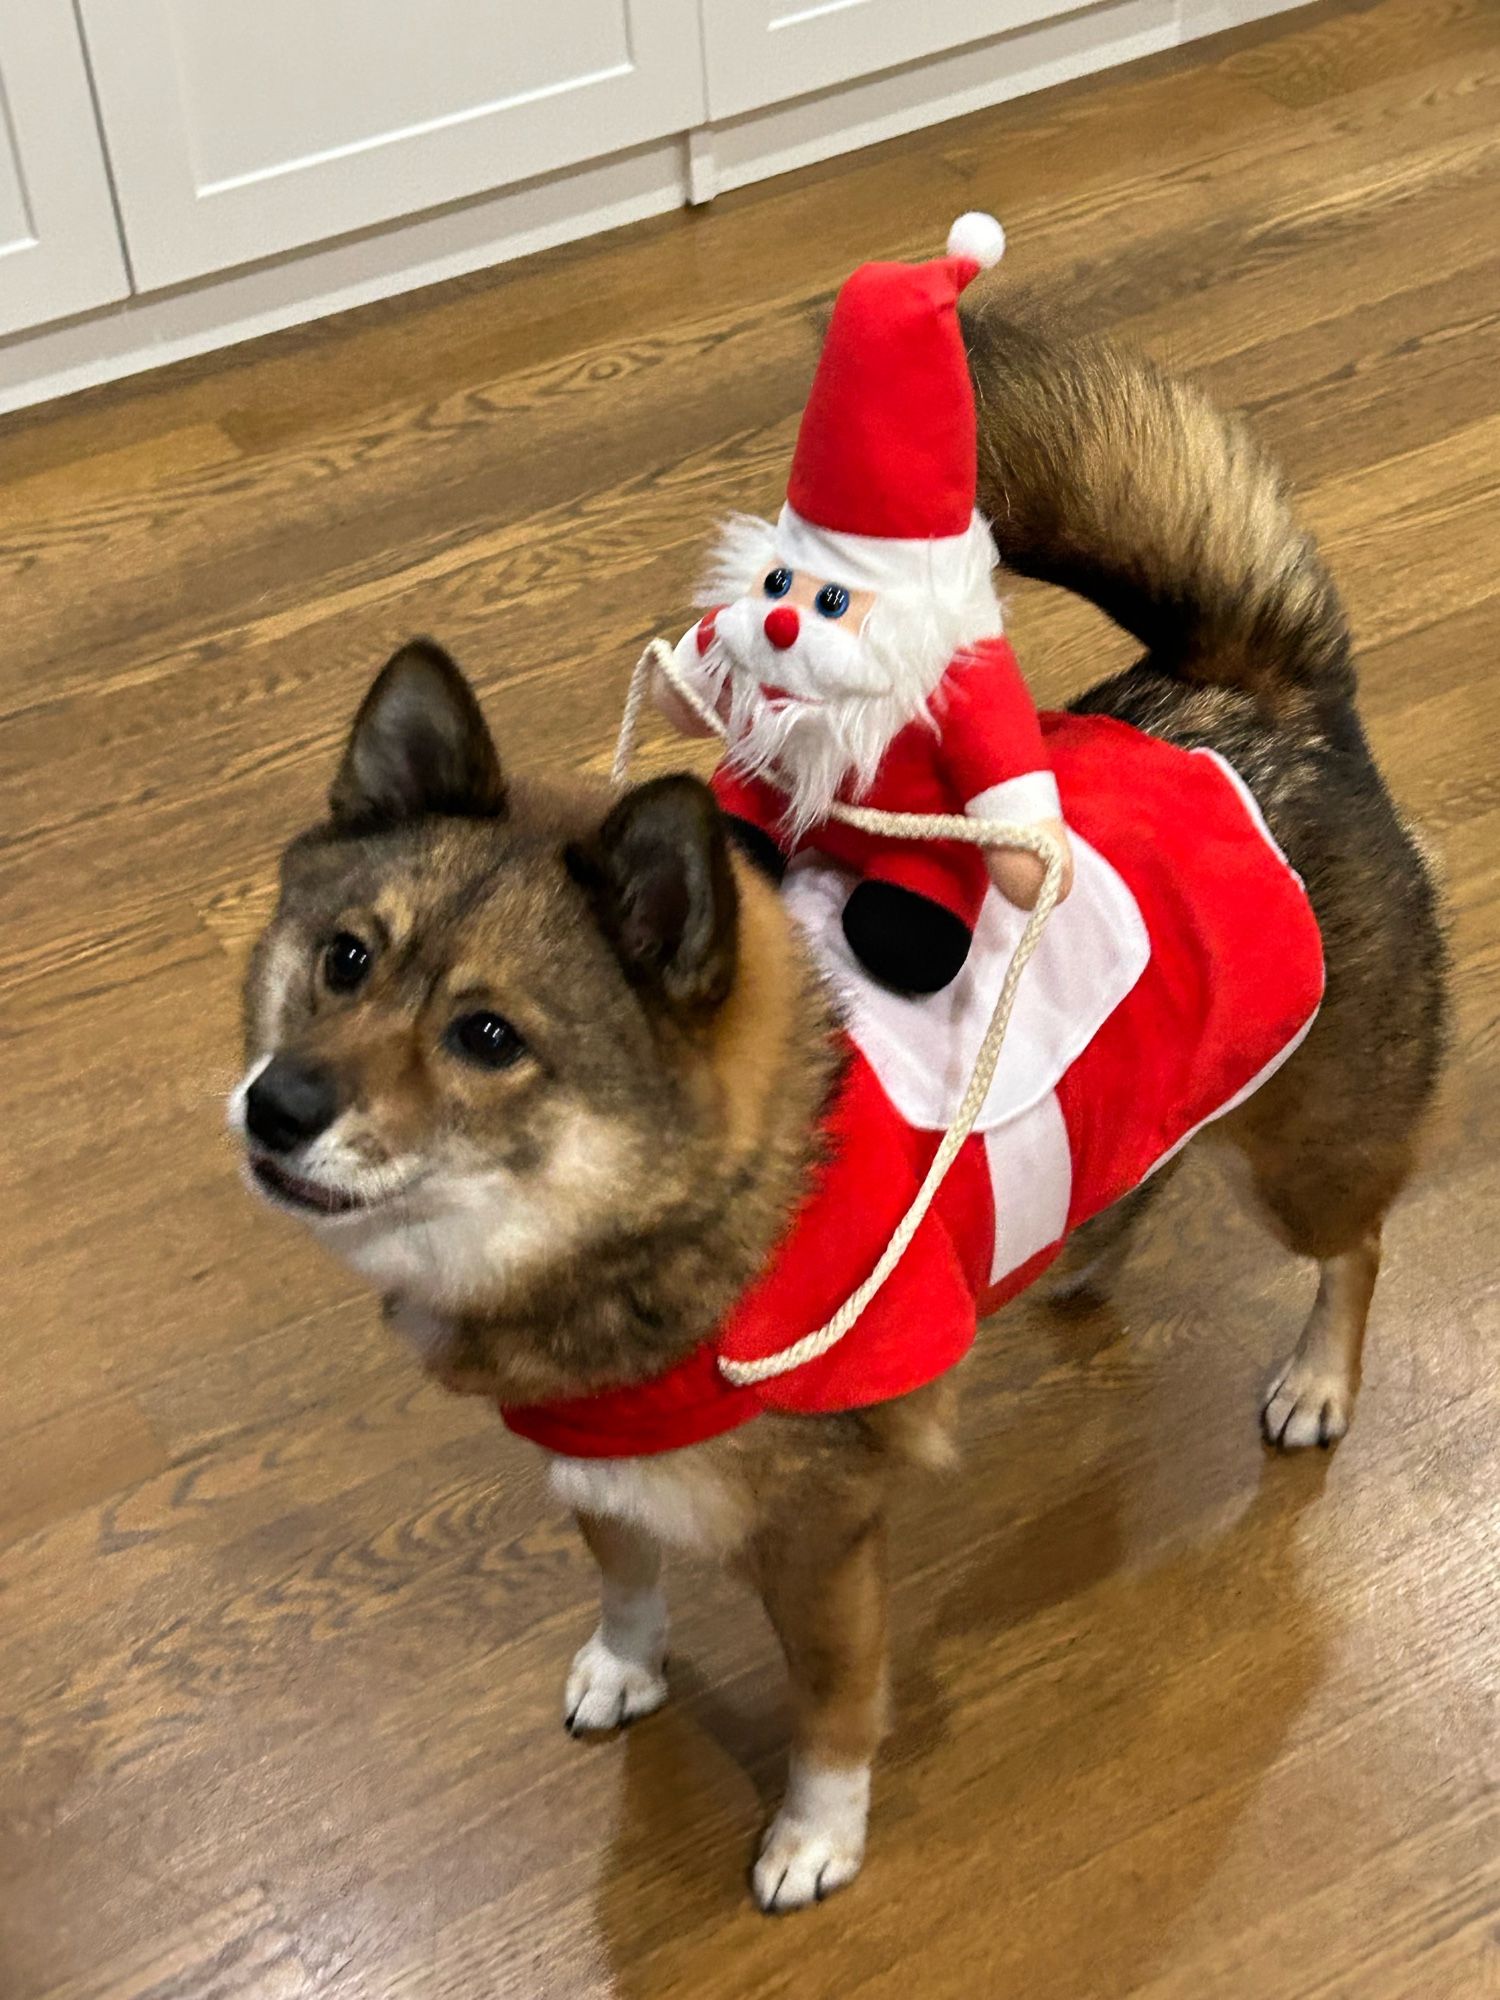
x=679, y=1498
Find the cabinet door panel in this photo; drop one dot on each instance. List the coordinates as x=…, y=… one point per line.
x=59, y=242
x=762, y=52
x=237, y=132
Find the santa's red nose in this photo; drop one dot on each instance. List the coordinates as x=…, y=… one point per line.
x=782, y=627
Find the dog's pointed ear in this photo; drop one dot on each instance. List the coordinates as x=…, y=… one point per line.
x=419, y=745
x=659, y=874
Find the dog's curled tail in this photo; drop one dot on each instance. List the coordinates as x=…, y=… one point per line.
x=1102, y=474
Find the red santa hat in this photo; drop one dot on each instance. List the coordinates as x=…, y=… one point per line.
x=882, y=485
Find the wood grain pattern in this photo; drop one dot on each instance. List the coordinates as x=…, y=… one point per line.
x=282, y=1629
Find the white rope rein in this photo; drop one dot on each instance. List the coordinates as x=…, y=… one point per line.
x=985, y=833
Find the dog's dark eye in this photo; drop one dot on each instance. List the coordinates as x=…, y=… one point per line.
x=485, y=1039
x=832, y=601
x=346, y=963
x=778, y=583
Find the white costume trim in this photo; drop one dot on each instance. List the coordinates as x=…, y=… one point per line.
x=1031, y=796
x=1031, y=1183
x=924, y=1049
x=1251, y=804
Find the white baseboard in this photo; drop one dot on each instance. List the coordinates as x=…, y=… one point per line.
x=161, y=327
x=157, y=328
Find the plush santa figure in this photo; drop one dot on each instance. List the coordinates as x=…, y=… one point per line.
x=854, y=649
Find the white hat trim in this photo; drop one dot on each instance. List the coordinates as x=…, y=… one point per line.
x=948, y=565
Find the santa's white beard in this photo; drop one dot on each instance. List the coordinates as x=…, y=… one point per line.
x=846, y=695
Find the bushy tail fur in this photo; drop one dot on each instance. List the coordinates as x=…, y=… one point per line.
x=1102, y=474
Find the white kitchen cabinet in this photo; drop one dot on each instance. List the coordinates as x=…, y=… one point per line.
x=760, y=52
x=59, y=245
x=239, y=131
x=206, y=171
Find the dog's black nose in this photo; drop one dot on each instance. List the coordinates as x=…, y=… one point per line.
x=290, y=1102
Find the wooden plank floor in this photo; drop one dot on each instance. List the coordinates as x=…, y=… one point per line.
x=281, y=1629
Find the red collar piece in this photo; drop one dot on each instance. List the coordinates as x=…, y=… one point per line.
x=919, y=1324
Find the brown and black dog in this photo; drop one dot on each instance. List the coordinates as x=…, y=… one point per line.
x=548, y=1071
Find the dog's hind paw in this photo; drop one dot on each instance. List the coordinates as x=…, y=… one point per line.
x=1306, y=1406
x=607, y=1691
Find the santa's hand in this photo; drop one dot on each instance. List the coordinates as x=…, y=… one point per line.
x=1019, y=875
x=686, y=721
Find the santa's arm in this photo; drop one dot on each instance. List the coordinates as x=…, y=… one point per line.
x=998, y=765
x=753, y=811
x=687, y=658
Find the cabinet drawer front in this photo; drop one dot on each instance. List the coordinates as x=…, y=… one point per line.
x=761, y=52
x=240, y=131
x=59, y=243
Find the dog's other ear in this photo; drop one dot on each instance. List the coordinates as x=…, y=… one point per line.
x=419, y=745
x=659, y=874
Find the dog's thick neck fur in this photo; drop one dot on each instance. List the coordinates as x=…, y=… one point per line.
x=640, y=1296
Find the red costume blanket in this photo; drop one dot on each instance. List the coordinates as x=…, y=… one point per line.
x=1183, y=970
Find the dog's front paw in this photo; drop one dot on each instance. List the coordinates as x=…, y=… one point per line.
x=816, y=1842
x=1306, y=1405
x=606, y=1690
x=800, y=1865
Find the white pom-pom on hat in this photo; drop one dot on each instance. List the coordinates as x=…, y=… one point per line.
x=979, y=237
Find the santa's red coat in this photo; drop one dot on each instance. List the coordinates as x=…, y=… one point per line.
x=981, y=752
x=1200, y=939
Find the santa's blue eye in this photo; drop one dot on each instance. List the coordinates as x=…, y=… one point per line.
x=778, y=583
x=832, y=600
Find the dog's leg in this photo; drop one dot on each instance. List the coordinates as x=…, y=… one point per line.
x=618, y=1676
x=825, y=1592
x=1094, y=1255
x=1312, y=1395
x=1325, y=1189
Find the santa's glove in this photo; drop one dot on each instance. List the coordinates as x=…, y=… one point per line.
x=908, y=942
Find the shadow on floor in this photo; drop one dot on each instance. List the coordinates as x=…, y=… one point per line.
x=1137, y=1695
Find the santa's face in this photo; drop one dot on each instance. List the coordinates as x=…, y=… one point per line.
x=812, y=702
x=799, y=635
x=816, y=677
x=799, y=638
